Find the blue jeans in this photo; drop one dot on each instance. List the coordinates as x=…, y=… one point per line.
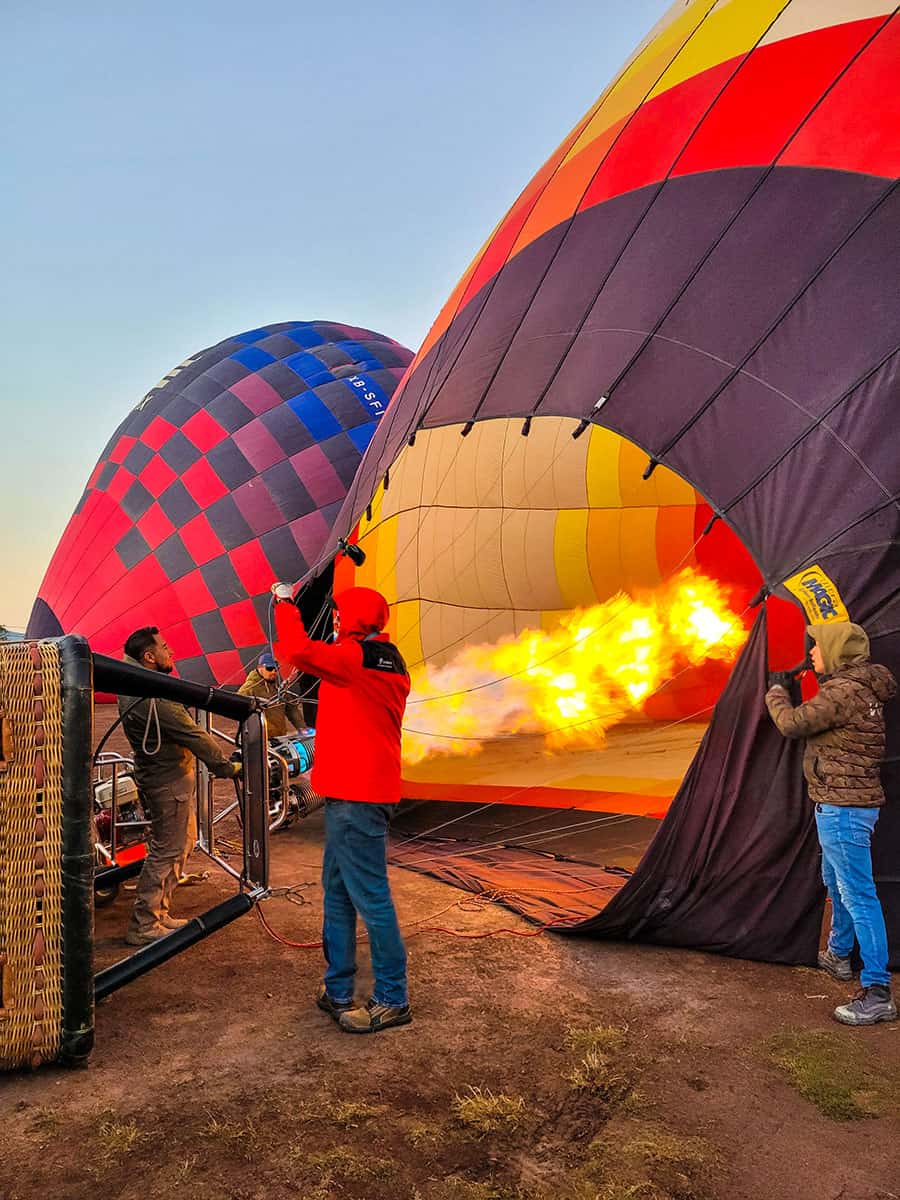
x=845, y=835
x=354, y=876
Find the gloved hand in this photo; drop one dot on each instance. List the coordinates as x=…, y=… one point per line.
x=234, y=770
x=782, y=679
x=790, y=683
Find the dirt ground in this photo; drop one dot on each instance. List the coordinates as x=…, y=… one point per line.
x=535, y=1068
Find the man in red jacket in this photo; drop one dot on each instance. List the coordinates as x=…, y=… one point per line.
x=362, y=699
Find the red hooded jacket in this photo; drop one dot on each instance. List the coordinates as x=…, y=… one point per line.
x=362, y=697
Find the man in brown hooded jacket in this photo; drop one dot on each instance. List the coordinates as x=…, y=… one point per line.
x=845, y=737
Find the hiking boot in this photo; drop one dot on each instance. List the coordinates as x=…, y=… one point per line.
x=374, y=1017
x=869, y=1006
x=334, y=1008
x=172, y=922
x=837, y=967
x=143, y=937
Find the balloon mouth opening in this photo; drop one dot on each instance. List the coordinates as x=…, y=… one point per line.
x=657, y=587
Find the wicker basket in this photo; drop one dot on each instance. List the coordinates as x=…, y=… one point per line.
x=46, y=853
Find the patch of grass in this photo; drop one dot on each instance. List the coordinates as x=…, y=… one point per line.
x=601, y=1038
x=482, y=1111
x=118, y=1138
x=829, y=1070
x=347, y=1113
x=340, y=1162
x=673, y=1161
x=637, y=1103
x=186, y=1168
x=350, y=1114
x=600, y=1077
x=455, y=1187
x=242, y=1137
x=630, y=1191
x=224, y=1129
x=46, y=1120
x=424, y=1136
x=653, y=1164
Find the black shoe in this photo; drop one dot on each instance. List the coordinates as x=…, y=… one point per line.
x=869, y=1006
x=334, y=1008
x=837, y=967
x=374, y=1017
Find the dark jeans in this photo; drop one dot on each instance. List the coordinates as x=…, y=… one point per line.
x=354, y=876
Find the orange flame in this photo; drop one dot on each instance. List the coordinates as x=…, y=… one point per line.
x=598, y=667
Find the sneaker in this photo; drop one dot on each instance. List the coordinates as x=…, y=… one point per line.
x=837, y=967
x=172, y=922
x=334, y=1008
x=374, y=1017
x=869, y=1006
x=143, y=937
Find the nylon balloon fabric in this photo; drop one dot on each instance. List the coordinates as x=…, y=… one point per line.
x=680, y=347
x=225, y=477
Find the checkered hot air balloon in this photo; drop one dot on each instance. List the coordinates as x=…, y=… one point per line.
x=225, y=477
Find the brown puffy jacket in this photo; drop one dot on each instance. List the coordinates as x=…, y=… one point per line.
x=843, y=724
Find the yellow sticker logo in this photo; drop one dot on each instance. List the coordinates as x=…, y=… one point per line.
x=818, y=594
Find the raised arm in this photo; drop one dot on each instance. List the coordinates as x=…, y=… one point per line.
x=335, y=663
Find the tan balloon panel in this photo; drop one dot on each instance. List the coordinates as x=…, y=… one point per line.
x=804, y=16
x=493, y=533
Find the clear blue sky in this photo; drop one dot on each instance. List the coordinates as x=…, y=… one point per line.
x=175, y=173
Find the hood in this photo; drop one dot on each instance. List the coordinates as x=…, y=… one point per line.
x=842, y=643
x=363, y=611
x=254, y=678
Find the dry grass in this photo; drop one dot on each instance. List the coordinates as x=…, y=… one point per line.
x=424, y=1136
x=634, y=1191
x=46, y=1120
x=350, y=1114
x=454, y=1187
x=342, y=1163
x=241, y=1137
x=482, y=1111
x=118, y=1138
x=603, y=1039
x=654, y=1164
x=600, y=1073
x=225, y=1129
x=185, y=1169
x=600, y=1076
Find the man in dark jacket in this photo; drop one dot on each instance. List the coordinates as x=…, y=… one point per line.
x=844, y=730
x=164, y=741
x=362, y=699
x=263, y=683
